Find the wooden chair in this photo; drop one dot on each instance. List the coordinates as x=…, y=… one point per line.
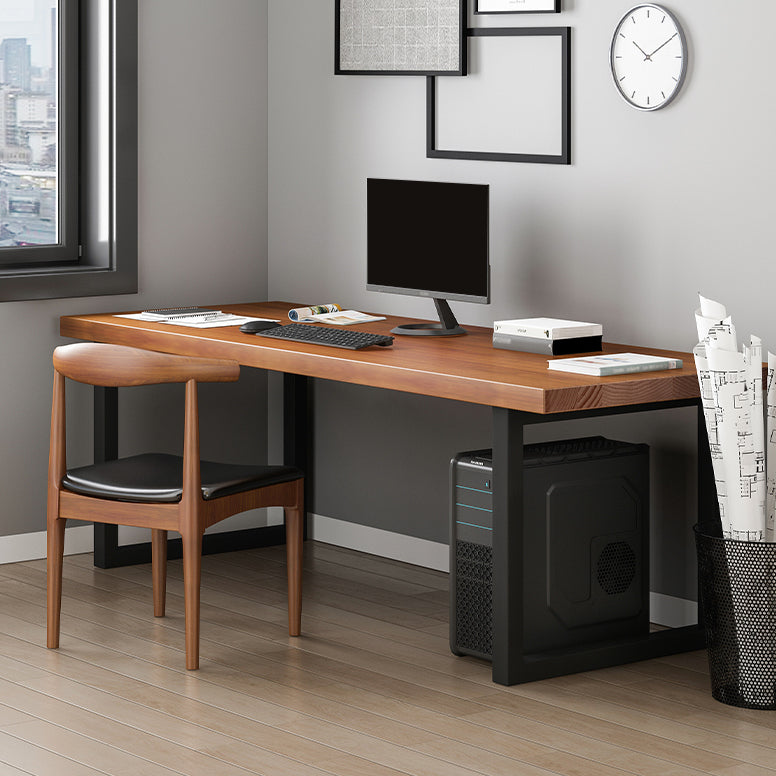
x=159, y=491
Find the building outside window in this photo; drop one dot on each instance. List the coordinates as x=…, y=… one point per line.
x=68, y=148
x=29, y=180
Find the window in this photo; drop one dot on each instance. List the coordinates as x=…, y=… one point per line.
x=68, y=148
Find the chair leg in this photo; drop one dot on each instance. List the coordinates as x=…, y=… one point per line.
x=294, y=546
x=192, y=573
x=159, y=569
x=55, y=547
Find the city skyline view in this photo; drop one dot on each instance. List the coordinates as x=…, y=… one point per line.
x=29, y=19
x=28, y=124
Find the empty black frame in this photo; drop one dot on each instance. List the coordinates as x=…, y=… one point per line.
x=346, y=63
x=564, y=154
x=512, y=6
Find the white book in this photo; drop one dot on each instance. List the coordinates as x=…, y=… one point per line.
x=548, y=328
x=614, y=364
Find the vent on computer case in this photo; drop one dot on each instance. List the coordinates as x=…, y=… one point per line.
x=616, y=567
x=474, y=598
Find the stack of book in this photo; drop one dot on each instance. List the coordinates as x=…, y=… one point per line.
x=614, y=364
x=550, y=336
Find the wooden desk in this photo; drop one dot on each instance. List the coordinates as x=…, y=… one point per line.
x=519, y=388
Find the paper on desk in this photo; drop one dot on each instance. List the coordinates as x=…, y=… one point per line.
x=197, y=322
x=731, y=393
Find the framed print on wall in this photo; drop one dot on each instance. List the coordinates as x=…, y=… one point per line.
x=400, y=37
x=517, y=6
x=515, y=104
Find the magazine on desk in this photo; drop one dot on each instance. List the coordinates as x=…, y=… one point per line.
x=338, y=317
x=614, y=364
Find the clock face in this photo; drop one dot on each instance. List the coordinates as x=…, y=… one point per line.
x=648, y=57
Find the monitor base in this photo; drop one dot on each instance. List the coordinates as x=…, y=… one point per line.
x=447, y=326
x=428, y=329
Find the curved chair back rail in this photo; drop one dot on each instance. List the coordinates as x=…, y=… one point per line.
x=163, y=493
x=116, y=366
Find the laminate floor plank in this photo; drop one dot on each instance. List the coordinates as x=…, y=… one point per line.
x=337, y=617
x=349, y=655
x=638, y=719
x=213, y=729
x=377, y=566
x=316, y=620
x=248, y=567
x=370, y=689
x=678, y=707
x=20, y=756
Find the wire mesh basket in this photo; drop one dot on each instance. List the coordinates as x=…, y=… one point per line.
x=737, y=591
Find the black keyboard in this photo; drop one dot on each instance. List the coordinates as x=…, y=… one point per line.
x=322, y=335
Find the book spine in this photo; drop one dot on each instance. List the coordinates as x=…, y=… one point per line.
x=669, y=363
x=558, y=347
x=546, y=334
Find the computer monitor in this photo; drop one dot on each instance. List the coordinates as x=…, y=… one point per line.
x=428, y=238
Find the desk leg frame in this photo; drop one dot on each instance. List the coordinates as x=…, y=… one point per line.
x=511, y=665
x=106, y=448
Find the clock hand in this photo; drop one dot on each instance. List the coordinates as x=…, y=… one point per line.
x=646, y=56
x=664, y=44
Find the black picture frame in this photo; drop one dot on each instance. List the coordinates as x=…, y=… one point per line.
x=563, y=156
x=513, y=6
x=349, y=60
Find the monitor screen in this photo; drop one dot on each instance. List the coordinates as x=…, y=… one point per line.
x=428, y=238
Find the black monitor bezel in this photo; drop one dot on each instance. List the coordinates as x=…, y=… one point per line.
x=430, y=293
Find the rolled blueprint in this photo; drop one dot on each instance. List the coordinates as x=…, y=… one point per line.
x=770, y=443
x=731, y=393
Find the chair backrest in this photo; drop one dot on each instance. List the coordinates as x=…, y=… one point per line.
x=119, y=366
x=96, y=363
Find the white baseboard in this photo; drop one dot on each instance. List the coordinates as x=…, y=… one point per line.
x=32, y=546
x=376, y=541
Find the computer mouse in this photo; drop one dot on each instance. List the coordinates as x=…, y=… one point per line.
x=252, y=327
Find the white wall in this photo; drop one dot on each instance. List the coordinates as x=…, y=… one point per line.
x=202, y=238
x=654, y=208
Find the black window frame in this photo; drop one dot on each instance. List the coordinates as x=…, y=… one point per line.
x=98, y=255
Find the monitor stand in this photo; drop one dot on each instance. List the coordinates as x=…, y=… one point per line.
x=447, y=326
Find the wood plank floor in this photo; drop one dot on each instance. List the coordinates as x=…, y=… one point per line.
x=370, y=689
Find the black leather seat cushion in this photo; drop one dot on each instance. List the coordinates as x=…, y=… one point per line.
x=158, y=477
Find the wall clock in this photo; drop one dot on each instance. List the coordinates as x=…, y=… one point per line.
x=648, y=57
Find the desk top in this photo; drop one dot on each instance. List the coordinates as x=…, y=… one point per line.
x=466, y=368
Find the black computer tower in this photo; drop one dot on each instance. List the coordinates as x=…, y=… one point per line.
x=585, y=545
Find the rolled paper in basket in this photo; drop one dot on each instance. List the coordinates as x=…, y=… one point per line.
x=300, y=313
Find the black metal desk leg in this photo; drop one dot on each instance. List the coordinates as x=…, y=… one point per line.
x=106, y=448
x=508, y=663
x=297, y=430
